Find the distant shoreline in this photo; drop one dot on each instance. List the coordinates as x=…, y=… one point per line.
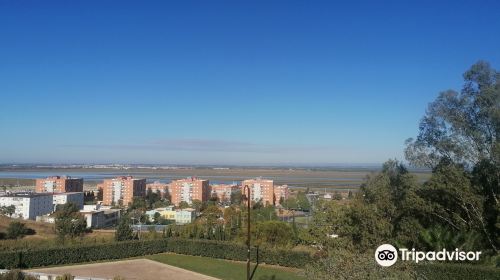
x=295, y=178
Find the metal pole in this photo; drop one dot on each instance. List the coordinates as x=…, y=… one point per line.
x=248, y=232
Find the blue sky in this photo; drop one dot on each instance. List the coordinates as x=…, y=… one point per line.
x=229, y=82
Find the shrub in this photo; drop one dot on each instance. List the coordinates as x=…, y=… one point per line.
x=125, y=249
x=65, y=277
x=16, y=275
x=18, y=230
x=81, y=253
x=232, y=251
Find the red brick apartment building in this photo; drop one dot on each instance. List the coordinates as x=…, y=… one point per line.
x=223, y=191
x=280, y=192
x=122, y=189
x=260, y=189
x=158, y=187
x=188, y=190
x=59, y=184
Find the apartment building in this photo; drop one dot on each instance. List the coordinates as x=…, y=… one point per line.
x=280, y=193
x=28, y=204
x=260, y=189
x=223, y=192
x=122, y=190
x=189, y=189
x=157, y=186
x=59, y=184
x=63, y=198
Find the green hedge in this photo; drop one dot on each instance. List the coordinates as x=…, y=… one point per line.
x=78, y=254
x=120, y=250
x=213, y=249
x=452, y=271
x=231, y=251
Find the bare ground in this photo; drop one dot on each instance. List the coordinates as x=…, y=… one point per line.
x=139, y=269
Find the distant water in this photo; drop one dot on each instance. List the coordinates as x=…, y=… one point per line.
x=87, y=176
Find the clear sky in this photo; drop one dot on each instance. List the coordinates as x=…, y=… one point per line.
x=229, y=82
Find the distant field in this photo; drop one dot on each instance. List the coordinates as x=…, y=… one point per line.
x=227, y=270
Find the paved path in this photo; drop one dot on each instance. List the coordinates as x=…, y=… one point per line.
x=140, y=269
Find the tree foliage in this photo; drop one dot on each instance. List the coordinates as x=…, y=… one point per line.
x=69, y=222
x=124, y=230
x=17, y=230
x=461, y=127
x=8, y=210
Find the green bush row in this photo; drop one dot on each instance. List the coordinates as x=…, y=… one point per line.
x=125, y=249
x=78, y=254
x=231, y=251
x=208, y=248
x=452, y=271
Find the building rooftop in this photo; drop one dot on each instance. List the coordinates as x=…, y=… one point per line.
x=59, y=177
x=59, y=193
x=26, y=194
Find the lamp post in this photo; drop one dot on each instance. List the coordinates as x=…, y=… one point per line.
x=248, y=229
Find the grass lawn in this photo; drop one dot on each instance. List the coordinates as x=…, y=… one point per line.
x=224, y=269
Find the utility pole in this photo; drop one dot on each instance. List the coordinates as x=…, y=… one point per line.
x=248, y=229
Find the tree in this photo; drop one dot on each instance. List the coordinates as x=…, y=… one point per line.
x=302, y=201
x=350, y=195
x=183, y=205
x=89, y=197
x=337, y=196
x=452, y=201
x=156, y=218
x=69, y=222
x=197, y=205
x=212, y=213
x=460, y=133
x=8, y=210
x=388, y=209
x=348, y=264
x=124, y=230
x=231, y=219
x=291, y=203
x=461, y=127
x=236, y=197
x=274, y=233
x=152, y=198
x=264, y=213
x=138, y=203
x=17, y=230
x=99, y=194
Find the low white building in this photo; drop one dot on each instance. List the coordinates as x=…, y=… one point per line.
x=28, y=204
x=63, y=198
x=101, y=218
x=185, y=216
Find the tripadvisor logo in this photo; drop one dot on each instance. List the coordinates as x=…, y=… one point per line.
x=387, y=255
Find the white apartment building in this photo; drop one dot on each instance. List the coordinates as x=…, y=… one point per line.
x=63, y=198
x=29, y=205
